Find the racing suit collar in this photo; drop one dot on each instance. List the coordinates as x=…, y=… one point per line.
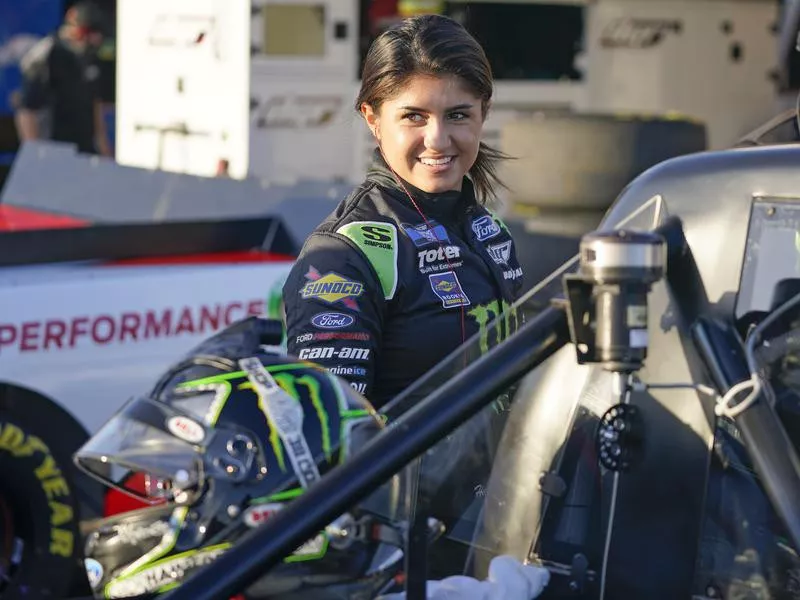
x=447, y=205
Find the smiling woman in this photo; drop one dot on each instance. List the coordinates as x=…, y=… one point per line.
x=411, y=263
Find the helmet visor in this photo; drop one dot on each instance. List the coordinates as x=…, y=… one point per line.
x=149, y=450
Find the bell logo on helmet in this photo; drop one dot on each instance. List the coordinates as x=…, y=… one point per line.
x=187, y=430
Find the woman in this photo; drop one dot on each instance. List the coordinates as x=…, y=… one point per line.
x=410, y=264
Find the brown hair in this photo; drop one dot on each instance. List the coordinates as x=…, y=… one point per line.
x=438, y=46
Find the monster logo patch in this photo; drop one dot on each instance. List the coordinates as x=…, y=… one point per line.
x=332, y=288
x=447, y=287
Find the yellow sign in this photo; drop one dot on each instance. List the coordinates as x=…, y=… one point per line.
x=409, y=8
x=332, y=288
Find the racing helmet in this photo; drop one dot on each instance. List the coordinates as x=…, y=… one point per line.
x=224, y=440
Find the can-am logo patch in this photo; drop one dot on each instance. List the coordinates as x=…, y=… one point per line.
x=447, y=287
x=485, y=228
x=332, y=320
x=332, y=288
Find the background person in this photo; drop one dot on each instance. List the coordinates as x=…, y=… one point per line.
x=60, y=78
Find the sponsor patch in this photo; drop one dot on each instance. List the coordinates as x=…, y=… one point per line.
x=332, y=288
x=439, y=259
x=378, y=242
x=361, y=388
x=500, y=253
x=330, y=352
x=422, y=235
x=342, y=370
x=447, y=287
x=332, y=320
x=257, y=515
x=485, y=228
x=326, y=336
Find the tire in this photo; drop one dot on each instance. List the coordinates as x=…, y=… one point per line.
x=583, y=161
x=38, y=515
x=48, y=568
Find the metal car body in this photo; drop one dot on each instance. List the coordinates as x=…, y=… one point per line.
x=708, y=508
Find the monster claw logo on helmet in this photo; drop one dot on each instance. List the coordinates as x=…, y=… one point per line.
x=225, y=439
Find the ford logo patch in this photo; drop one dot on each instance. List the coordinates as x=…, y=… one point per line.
x=332, y=320
x=485, y=228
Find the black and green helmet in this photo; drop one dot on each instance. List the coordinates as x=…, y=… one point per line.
x=226, y=438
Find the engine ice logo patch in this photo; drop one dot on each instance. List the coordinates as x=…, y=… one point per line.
x=332, y=320
x=422, y=235
x=500, y=253
x=332, y=288
x=485, y=228
x=447, y=287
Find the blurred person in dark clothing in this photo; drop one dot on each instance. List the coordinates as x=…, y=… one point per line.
x=60, y=79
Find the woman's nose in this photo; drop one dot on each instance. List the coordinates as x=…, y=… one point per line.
x=437, y=135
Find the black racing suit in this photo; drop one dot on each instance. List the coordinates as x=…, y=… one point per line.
x=378, y=296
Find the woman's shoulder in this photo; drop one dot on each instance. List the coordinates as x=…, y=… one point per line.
x=366, y=203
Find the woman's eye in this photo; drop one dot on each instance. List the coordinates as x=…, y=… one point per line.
x=458, y=116
x=413, y=117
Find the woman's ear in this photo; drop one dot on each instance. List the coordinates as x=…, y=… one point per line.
x=372, y=119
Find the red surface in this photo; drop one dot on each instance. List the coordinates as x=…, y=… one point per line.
x=14, y=218
x=205, y=259
x=117, y=502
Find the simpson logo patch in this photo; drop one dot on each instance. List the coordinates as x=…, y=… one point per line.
x=448, y=288
x=332, y=288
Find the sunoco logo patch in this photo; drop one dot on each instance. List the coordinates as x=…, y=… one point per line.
x=485, y=228
x=332, y=288
x=448, y=288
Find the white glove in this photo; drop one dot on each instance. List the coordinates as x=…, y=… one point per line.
x=508, y=579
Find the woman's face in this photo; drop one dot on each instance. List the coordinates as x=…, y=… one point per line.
x=429, y=132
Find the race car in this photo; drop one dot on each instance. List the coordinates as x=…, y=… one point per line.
x=638, y=438
x=91, y=309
